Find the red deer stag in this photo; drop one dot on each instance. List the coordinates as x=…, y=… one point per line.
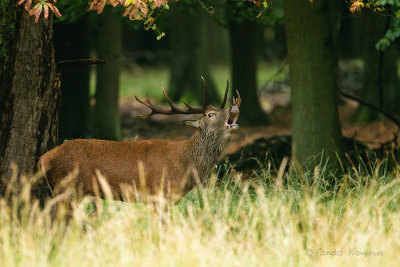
x=150, y=167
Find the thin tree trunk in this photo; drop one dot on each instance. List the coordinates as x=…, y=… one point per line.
x=244, y=40
x=381, y=82
x=311, y=50
x=280, y=42
x=189, y=61
x=106, y=119
x=218, y=40
x=71, y=41
x=29, y=98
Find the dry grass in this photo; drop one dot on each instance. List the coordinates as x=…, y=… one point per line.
x=232, y=224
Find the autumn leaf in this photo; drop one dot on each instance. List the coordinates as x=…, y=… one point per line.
x=127, y=3
x=114, y=3
x=19, y=3
x=157, y=3
x=356, y=6
x=143, y=9
x=100, y=6
x=127, y=10
x=137, y=2
x=28, y=5
x=160, y=35
x=97, y=5
x=135, y=9
x=38, y=10
x=54, y=9
x=46, y=11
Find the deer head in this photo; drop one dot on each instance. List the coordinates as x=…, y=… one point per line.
x=213, y=128
x=212, y=120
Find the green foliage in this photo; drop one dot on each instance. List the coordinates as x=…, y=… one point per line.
x=239, y=11
x=388, y=2
x=385, y=8
x=148, y=10
x=390, y=36
x=72, y=9
x=391, y=8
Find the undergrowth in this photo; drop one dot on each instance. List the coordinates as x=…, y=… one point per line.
x=267, y=219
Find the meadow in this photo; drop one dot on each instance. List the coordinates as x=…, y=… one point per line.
x=269, y=219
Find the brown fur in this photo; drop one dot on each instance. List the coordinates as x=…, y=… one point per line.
x=169, y=167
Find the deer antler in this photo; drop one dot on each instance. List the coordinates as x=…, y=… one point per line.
x=236, y=101
x=226, y=95
x=174, y=109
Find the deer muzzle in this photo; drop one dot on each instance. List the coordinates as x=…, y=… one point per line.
x=232, y=118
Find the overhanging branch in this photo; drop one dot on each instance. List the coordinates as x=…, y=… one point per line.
x=381, y=110
x=84, y=61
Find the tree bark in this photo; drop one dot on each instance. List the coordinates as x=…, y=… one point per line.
x=29, y=98
x=218, y=37
x=71, y=41
x=106, y=119
x=310, y=32
x=244, y=40
x=189, y=60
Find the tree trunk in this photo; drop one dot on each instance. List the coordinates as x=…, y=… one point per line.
x=315, y=121
x=71, y=41
x=29, y=98
x=189, y=60
x=381, y=82
x=243, y=40
x=106, y=119
x=218, y=37
x=280, y=42
x=352, y=36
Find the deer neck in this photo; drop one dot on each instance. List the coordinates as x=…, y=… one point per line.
x=203, y=149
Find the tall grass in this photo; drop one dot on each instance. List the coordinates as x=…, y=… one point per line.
x=288, y=221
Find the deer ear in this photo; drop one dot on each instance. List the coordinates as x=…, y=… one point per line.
x=193, y=123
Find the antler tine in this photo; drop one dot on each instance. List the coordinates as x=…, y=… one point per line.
x=237, y=101
x=189, y=106
x=204, y=107
x=173, y=110
x=205, y=94
x=150, y=105
x=226, y=95
x=173, y=107
x=146, y=115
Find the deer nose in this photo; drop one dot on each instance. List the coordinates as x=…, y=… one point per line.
x=233, y=110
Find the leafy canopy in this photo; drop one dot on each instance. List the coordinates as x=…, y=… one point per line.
x=141, y=10
x=134, y=9
x=385, y=8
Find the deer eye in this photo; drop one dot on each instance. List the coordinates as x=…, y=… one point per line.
x=211, y=114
